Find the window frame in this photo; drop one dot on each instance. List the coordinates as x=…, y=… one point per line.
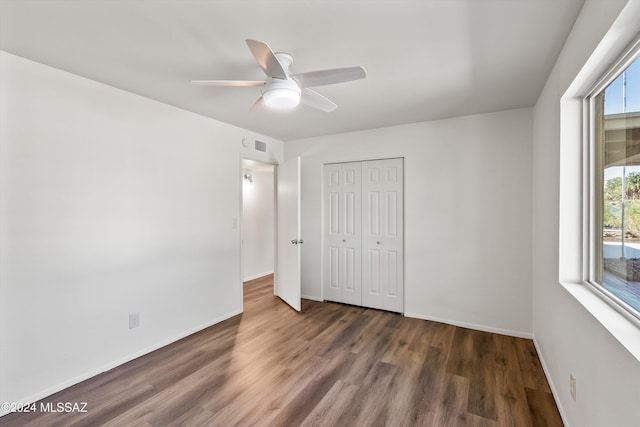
x=593, y=182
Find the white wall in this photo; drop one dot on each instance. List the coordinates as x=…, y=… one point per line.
x=467, y=214
x=110, y=203
x=568, y=336
x=258, y=225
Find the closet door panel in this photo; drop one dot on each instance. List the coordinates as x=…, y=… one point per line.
x=351, y=204
x=332, y=274
x=383, y=225
x=342, y=272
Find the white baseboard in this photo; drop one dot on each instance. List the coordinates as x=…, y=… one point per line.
x=257, y=276
x=312, y=298
x=554, y=391
x=477, y=327
x=92, y=373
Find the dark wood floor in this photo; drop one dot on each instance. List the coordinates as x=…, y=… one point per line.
x=332, y=365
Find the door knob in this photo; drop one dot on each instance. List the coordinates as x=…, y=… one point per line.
x=294, y=242
x=344, y=240
x=377, y=243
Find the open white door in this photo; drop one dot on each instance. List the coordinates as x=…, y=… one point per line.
x=289, y=240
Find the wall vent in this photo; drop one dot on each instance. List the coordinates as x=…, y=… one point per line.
x=261, y=146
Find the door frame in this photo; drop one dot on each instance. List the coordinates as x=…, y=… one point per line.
x=243, y=157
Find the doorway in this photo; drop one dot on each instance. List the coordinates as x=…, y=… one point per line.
x=270, y=227
x=258, y=222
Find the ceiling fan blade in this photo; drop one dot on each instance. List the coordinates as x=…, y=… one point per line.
x=329, y=77
x=256, y=105
x=266, y=59
x=317, y=101
x=227, y=82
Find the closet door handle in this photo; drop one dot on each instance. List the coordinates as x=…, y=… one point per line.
x=377, y=243
x=344, y=240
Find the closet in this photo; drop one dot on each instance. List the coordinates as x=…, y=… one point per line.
x=363, y=223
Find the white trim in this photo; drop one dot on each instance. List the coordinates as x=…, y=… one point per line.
x=240, y=231
x=631, y=53
x=552, y=386
x=475, y=326
x=592, y=234
x=114, y=364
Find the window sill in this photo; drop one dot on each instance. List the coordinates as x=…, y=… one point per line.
x=618, y=325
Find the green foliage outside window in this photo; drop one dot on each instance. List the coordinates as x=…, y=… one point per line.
x=612, y=215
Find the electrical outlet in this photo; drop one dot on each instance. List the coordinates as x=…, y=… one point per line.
x=572, y=386
x=134, y=320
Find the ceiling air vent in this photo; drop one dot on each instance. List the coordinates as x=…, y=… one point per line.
x=261, y=146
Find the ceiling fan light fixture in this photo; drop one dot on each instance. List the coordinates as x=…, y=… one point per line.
x=281, y=95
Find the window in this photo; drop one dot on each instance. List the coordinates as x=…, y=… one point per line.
x=614, y=181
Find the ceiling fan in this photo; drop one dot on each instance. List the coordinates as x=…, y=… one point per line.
x=283, y=90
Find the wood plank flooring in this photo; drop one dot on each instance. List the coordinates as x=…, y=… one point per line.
x=332, y=365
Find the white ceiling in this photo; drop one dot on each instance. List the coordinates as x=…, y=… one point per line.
x=425, y=59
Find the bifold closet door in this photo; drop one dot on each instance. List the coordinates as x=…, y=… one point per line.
x=342, y=239
x=382, y=234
